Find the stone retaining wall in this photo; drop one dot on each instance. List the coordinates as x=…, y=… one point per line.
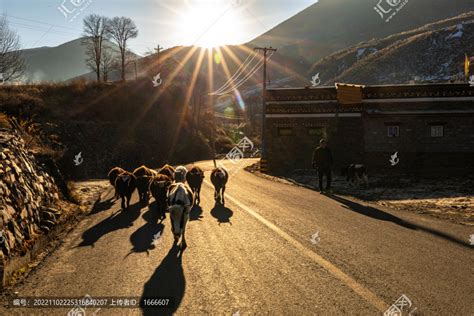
x=28, y=195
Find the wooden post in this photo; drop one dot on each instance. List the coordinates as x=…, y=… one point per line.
x=265, y=50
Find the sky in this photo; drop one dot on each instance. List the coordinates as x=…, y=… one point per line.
x=166, y=23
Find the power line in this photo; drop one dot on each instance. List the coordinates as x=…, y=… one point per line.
x=56, y=26
x=237, y=74
x=44, y=34
x=35, y=28
x=243, y=80
x=40, y=22
x=256, y=68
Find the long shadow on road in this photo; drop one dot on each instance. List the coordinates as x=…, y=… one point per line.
x=120, y=220
x=222, y=213
x=100, y=206
x=143, y=237
x=384, y=216
x=196, y=213
x=167, y=281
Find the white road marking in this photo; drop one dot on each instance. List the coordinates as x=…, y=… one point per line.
x=360, y=289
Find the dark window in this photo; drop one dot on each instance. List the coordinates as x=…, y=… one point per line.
x=437, y=130
x=283, y=131
x=393, y=130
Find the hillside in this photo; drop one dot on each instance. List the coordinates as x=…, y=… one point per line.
x=55, y=64
x=120, y=124
x=316, y=32
x=395, y=59
x=330, y=25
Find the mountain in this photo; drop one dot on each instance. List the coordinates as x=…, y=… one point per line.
x=330, y=25
x=432, y=53
x=320, y=30
x=60, y=63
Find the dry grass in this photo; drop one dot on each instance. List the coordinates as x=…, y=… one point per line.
x=4, y=123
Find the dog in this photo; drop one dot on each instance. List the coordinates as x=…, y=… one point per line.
x=355, y=174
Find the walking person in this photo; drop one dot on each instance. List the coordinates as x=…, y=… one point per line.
x=322, y=162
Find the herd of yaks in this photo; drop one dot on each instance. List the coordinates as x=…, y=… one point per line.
x=159, y=182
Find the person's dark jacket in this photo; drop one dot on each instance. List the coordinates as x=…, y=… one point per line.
x=322, y=158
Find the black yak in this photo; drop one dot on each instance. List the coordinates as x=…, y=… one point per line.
x=125, y=184
x=167, y=170
x=195, y=177
x=219, y=177
x=159, y=189
x=113, y=173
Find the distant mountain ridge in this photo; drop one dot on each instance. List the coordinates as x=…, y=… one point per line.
x=56, y=64
x=330, y=25
x=319, y=31
x=432, y=53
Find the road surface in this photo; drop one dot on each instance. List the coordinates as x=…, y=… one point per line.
x=273, y=249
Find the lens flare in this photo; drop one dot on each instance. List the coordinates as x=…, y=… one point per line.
x=240, y=100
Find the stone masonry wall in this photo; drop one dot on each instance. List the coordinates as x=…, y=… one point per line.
x=27, y=196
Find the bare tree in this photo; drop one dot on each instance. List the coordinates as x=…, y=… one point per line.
x=121, y=29
x=107, y=62
x=95, y=32
x=12, y=65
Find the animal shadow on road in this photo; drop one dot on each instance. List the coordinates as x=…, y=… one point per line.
x=143, y=237
x=119, y=220
x=167, y=281
x=100, y=206
x=196, y=213
x=381, y=215
x=222, y=213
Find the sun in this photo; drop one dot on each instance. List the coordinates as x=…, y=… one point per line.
x=209, y=23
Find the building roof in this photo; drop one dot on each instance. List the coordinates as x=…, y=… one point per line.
x=378, y=92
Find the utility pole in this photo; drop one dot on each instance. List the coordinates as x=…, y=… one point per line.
x=213, y=133
x=136, y=75
x=263, y=160
x=158, y=52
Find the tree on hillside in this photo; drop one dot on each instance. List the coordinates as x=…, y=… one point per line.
x=95, y=33
x=12, y=65
x=108, y=62
x=121, y=30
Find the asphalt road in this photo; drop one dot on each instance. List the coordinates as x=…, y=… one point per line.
x=257, y=255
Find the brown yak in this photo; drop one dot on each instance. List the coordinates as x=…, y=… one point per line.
x=144, y=176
